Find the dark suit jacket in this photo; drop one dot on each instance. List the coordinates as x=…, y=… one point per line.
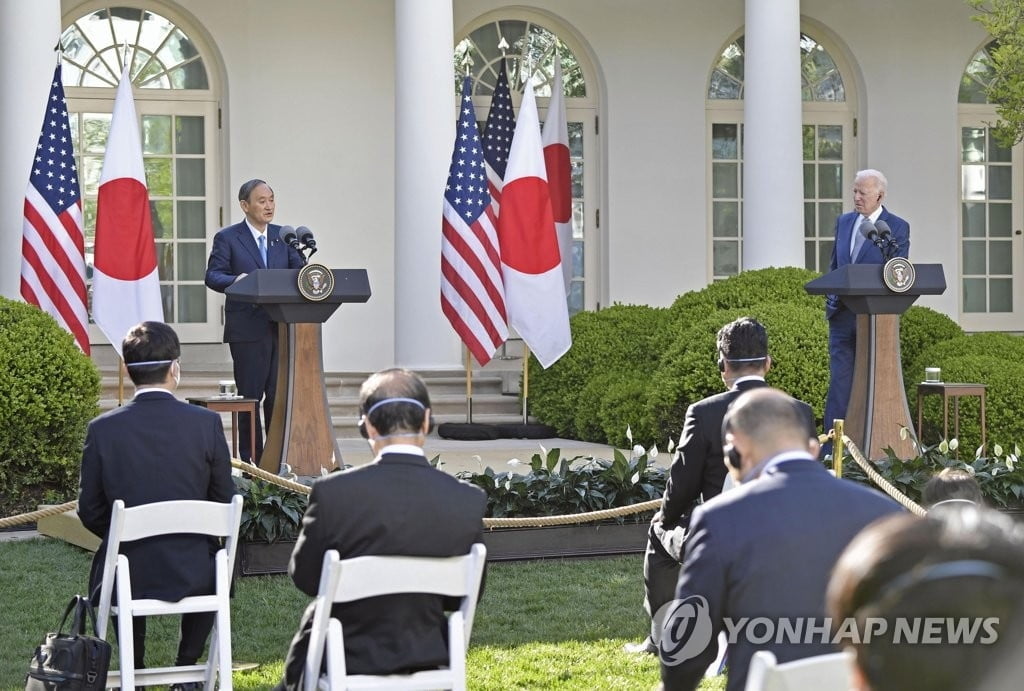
x=766, y=549
x=155, y=448
x=398, y=505
x=698, y=471
x=846, y=226
x=234, y=253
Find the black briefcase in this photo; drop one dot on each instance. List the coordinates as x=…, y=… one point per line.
x=73, y=661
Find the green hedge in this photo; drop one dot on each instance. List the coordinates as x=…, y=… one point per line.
x=749, y=288
x=797, y=341
x=621, y=338
x=920, y=329
x=49, y=391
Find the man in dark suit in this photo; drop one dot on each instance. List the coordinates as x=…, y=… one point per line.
x=851, y=247
x=157, y=448
x=697, y=471
x=396, y=505
x=764, y=550
x=252, y=244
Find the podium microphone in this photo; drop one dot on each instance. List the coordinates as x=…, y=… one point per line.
x=870, y=232
x=306, y=238
x=289, y=237
x=885, y=233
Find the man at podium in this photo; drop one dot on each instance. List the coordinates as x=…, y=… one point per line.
x=252, y=244
x=854, y=244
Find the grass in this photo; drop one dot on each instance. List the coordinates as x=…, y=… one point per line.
x=555, y=624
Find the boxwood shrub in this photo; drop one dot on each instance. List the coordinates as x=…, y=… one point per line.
x=49, y=390
x=921, y=328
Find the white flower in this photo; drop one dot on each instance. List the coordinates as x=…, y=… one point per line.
x=543, y=451
x=977, y=452
x=636, y=478
x=629, y=434
x=653, y=452
x=1011, y=460
x=638, y=451
x=903, y=433
x=997, y=450
x=944, y=446
x=671, y=446
x=514, y=462
x=954, y=444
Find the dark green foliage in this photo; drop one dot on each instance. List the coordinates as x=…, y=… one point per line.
x=749, y=288
x=555, y=486
x=624, y=407
x=920, y=329
x=998, y=473
x=993, y=359
x=269, y=512
x=49, y=390
x=797, y=341
x=619, y=338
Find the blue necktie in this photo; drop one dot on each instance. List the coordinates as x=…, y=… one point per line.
x=263, y=249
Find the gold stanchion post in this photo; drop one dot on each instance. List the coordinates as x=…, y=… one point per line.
x=837, y=448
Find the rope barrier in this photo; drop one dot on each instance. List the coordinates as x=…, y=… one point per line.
x=889, y=489
x=35, y=515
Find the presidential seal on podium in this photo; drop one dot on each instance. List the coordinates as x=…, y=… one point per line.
x=898, y=275
x=316, y=282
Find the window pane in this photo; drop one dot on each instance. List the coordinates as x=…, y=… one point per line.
x=167, y=296
x=973, y=220
x=191, y=219
x=726, y=257
x=191, y=173
x=165, y=260
x=162, y=215
x=1000, y=295
x=810, y=252
x=1000, y=257
x=974, y=295
x=973, y=181
x=95, y=128
x=825, y=254
x=191, y=261
x=808, y=137
x=577, y=259
x=809, y=217
x=90, y=170
x=724, y=139
x=809, y=180
x=575, y=297
x=972, y=144
x=830, y=142
x=190, y=137
x=156, y=134
x=577, y=178
x=577, y=219
x=828, y=212
x=724, y=180
x=158, y=176
x=575, y=139
x=974, y=257
x=192, y=304
x=997, y=152
x=830, y=181
x=999, y=178
x=725, y=220
x=999, y=221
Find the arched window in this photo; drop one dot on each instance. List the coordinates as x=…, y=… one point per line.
x=533, y=45
x=177, y=108
x=990, y=210
x=827, y=153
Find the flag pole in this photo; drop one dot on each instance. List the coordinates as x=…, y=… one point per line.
x=526, y=382
x=120, y=381
x=469, y=387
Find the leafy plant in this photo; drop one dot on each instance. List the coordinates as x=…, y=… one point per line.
x=999, y=475
x=269, y=512
x=555, y=486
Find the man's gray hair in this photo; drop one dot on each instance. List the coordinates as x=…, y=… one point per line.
x=883, y=184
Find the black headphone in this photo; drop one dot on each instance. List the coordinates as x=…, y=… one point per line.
x=364, y=415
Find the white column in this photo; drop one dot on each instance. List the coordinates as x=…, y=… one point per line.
x=424, y=135
x=28, y=33
x=773, y=216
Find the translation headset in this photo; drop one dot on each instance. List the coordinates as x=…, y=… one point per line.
x=722, y=360
x=732, y=456
x=412, y=401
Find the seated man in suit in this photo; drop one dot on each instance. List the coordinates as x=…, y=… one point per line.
x=763, y=551
x=697, y=471
x=252, y=244
x=851, y=247
x=396, y=505
x=157, y=448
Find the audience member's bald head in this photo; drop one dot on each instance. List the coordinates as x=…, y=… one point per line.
x=763, y=423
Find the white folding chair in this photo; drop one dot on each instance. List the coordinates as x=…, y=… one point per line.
x=362, y=577
x=830, y=672
x=166, y=518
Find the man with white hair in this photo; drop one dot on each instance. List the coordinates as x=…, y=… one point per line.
x=851, y=246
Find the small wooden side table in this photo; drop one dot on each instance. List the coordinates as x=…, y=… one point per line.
x=233, y=406
x=948, y=391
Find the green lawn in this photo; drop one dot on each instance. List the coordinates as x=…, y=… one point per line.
x=541, y=625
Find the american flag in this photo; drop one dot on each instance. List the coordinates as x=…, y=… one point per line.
x=53, y=242
x=501, y=124
x=472, y=294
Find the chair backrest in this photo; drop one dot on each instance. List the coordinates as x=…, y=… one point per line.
x=372, y=576
x=830, y=672
x=186, y=516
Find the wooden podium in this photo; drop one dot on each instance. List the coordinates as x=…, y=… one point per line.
x=878, y=400
x=301, y=434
